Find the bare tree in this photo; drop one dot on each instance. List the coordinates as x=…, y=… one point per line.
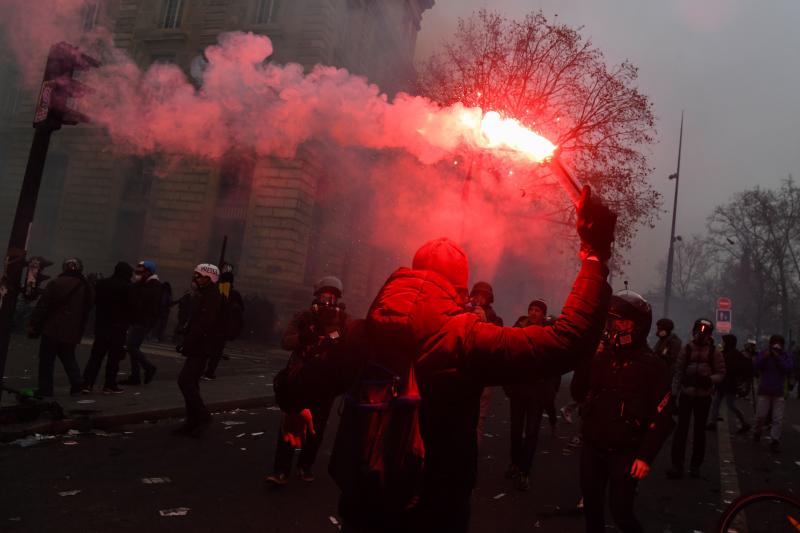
x=552, y=80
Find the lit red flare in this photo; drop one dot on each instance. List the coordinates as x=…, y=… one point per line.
x=510, y=134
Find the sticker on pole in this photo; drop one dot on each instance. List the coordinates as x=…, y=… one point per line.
x=43, y=105
x=724, y=317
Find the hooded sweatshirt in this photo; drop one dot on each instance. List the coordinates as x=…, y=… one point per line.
x=773, y=367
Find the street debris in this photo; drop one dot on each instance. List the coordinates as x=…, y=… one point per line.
x=73, y=432
x=243, y=449
x=177, y=511
x=15, y=518
x=333, y=520
x=69, y=492
x=233, y=423
x=797, y=463
x=257, y=434
x=30, y=440
x=240, y=435
x=155, y=480
x=537, y=524
x=273, y=408
x=70, y=442
x=498, y=496
x=85, y=401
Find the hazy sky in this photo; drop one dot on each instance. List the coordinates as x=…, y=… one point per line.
x=731, y=65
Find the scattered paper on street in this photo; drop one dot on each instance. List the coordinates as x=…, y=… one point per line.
x=85, y=401
x=177, y=511
x=155, y=480
x=233, y=423
x=498, y=496
x=70, y=442
x=69, y=492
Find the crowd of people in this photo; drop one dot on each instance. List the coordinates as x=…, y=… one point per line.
x=415, y=377
x=130, y=306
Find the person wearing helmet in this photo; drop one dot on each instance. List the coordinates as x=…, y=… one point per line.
x=59, y=318
x=311, y=334
x=668, y=345
x=698, y=368
x=481, y=298
x=203, y=338
x=146, y=302
x=625, y=390
x=416, y=322
x=774, y=366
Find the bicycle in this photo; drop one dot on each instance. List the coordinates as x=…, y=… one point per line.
x=763, y=511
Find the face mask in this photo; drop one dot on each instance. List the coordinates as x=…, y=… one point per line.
x=777, y=347
x=136, y=278
x=662, y=333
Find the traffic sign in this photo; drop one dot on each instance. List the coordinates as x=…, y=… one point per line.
x=723, y=302
x=724, y=317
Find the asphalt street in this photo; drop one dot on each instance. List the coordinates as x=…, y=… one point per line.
x=126, y=481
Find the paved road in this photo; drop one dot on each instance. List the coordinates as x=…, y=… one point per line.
x=220, y=480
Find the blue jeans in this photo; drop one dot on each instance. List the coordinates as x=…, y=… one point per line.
x=136, y=336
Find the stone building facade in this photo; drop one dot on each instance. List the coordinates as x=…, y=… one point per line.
x=104, y=207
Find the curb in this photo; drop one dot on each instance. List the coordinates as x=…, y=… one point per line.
x=108, y=421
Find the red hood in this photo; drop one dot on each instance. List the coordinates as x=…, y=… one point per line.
x=411, y=309
x=444, y=257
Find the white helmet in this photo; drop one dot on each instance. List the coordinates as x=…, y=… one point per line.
x=208, y=270
x=329, y=282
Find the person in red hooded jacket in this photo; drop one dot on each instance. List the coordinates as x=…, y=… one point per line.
x=418, y=315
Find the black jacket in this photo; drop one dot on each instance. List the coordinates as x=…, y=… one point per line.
x=205, y=335
x=62, y=311
x=114, y=301
x=146, y=302
x=625, y=403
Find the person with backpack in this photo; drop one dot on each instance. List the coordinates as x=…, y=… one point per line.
x=232, y=317
x=59, y=318
x=625, y=391
x=737, y=382
x=146, y=308
x=311, y=334
x=774, y=366
x=699, y=367
x=112, y=318
x=405, y=456
x=203, y=336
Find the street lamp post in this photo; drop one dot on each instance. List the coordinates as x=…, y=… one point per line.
x=670, y=257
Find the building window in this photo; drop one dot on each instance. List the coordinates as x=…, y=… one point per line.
x=89, y=16
x=267, y=11
x=172, y=14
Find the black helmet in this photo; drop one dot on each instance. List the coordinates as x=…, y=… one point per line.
x=702, y=326
x=631, y=306
x=665, y=324
x=73, y=264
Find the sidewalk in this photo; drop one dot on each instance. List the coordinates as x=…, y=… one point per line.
x=244, y=381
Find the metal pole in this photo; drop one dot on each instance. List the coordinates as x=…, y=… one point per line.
x=670, y=257
x=18, y=242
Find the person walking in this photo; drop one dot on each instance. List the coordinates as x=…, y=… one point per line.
x=112, y=319
x=625, y=391
x=234, y=311
x=203, y=336
x=527, y=404
x=146, y=308
x=699, y=367
x=59, y=318
x=312, y=333
x=738, y=378
x=668, y=345
x=774, y=366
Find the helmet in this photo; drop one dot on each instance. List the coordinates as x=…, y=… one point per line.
x=72, y=264
x=777, y=339
x=538, y=303
x=485, y=288
x=329, y=282
x=702, y=326
x=208, y=270
x=665, y=324
x=631, y=306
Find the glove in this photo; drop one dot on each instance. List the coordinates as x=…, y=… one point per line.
x=595, y=225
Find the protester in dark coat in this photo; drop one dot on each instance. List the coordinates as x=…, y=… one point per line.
x=146, y=308
x=60, y=318
x=235, y=306
x=699, y=367
x=481, y=298
x=738, y=372
x=163, y=317
x=625, y=392
x=312, y=333
x=204, y=336
x=418, y=316
x=668, y=345
x=527, y=403
x=112, y=319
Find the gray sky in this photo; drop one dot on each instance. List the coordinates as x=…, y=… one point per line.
x=731, y=65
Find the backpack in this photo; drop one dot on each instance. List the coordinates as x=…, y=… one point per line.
x=232, y=316
x=378, y=454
